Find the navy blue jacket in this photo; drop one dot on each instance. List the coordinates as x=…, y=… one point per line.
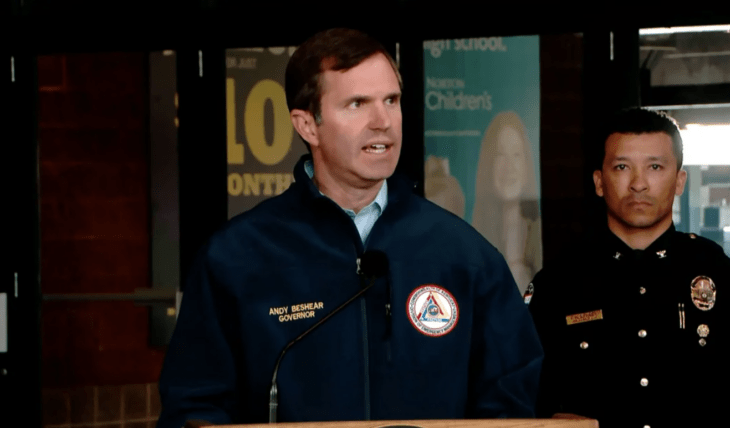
x=275, y=270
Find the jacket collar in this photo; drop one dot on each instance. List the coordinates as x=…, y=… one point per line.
x=400, y=188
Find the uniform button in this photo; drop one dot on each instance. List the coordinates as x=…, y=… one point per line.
x=584, y=345
x=644, y=381
x=642, y=290
x=642, y=333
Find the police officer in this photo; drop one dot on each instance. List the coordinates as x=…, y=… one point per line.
x=634, y=322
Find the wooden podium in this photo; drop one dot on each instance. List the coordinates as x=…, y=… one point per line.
x=452, y=423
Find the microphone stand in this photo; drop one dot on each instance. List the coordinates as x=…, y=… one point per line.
x=273, y=394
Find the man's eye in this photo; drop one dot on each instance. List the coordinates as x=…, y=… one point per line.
x=355, y=104
x=620, y=167
x=656, y=167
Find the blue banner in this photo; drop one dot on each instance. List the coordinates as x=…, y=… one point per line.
x=482, y=129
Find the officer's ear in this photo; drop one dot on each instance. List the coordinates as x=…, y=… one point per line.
x=303, y=121
x=598, y=182
x=681, y=181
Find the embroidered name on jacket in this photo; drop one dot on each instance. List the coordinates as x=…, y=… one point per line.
x=584, y=317
x=296, y=312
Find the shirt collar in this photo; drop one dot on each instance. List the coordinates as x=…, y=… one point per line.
x=619, y=250
x=380, y=201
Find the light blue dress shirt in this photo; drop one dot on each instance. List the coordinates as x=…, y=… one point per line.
x=366, y=218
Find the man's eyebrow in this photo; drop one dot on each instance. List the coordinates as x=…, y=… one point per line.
x=658, y=158
x=650, y=158
x=396, y=94
x=357, y=98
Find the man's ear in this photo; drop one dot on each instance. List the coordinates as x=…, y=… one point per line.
x=305, y=125
x=681, y=181
x=598, y=182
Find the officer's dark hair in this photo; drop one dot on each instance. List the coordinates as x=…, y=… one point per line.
x=640, y=121
x=335, y=49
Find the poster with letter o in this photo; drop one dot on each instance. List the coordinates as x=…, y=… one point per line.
x=262, y=145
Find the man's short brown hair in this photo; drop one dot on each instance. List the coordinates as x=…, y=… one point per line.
x=335, y=49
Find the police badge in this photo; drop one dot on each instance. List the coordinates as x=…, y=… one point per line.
x=704, y=293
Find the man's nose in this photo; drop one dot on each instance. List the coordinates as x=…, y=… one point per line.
x=639, y=182
x=380, y=116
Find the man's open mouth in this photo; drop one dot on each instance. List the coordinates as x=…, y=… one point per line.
x=376, y=148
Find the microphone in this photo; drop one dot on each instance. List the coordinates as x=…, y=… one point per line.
x=371, y=265
x=374, y=264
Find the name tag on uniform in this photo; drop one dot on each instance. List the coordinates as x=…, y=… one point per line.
x=584, y=317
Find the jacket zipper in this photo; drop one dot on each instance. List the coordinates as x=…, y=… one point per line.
x=388, y=311
x=388, y=325
x=366, y=358
x=360, y=249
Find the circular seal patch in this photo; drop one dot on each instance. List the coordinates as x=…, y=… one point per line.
x=432, y=310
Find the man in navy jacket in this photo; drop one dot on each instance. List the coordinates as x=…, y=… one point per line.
x=442, y=334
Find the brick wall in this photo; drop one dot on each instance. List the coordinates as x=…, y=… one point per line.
x=111, y=406
x=95, y=238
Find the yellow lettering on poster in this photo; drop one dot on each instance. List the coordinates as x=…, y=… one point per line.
x=257, y=184
x=254, y=126
x=268, y=180
x=235, y=149
x=235, y=184
x=251, y=184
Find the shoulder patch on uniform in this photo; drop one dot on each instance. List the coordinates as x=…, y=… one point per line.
x=528, y=293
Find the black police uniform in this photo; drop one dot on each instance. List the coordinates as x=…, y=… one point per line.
x=636, y=338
